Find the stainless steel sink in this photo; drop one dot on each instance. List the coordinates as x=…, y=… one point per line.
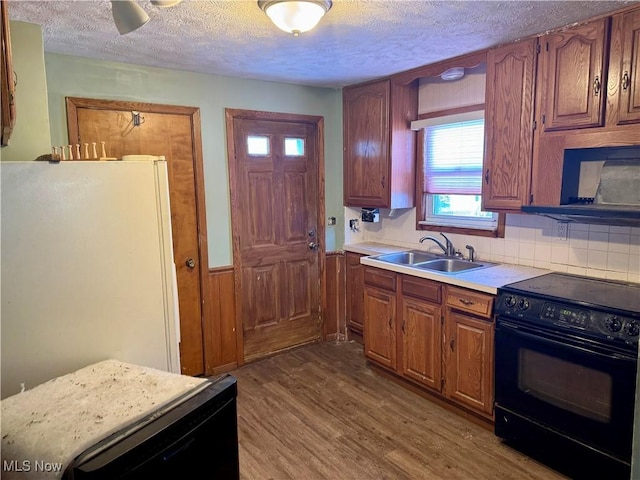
x=431, y=261
x=412, y=257
x=451, y=265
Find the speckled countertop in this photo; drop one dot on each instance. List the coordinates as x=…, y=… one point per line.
x=486, y=280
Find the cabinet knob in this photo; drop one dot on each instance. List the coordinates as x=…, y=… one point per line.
x=191, y=263
x=596, y=86
x=625, y=80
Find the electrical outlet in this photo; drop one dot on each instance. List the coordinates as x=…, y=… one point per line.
x=562, y=230
x=354, y=225
x=331, y=221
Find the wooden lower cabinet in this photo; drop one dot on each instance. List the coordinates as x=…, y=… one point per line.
x=468, y=361
x=355, y=293
x=421, y=329
x=433, y=335
x=380, y=326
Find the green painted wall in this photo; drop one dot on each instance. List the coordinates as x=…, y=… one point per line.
x=81, y=77
x=31, y=135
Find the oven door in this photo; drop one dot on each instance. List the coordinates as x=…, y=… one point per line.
x=571, y=386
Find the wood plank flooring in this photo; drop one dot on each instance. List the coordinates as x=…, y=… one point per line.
x=318, y=412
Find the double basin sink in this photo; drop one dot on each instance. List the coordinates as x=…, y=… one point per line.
x=431, y=261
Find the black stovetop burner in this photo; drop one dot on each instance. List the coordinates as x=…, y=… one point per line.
x=586, y=291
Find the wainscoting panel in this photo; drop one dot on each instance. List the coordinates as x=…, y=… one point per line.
x=220, y=329
x=334, y=312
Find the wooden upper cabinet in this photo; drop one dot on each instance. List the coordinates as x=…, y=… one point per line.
x=627, y=31
x=379, y=146
x=509, y=101
x=574, y=83
x=7, y=92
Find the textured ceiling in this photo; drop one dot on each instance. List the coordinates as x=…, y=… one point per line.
x=356, y=41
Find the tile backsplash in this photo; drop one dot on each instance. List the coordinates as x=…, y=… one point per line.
x=600, y=251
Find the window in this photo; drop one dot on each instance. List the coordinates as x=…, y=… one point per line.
x=294, y=147
x=452, y=153
x=257, y=145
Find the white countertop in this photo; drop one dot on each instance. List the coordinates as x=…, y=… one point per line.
x=370, y=248
x=486, y=280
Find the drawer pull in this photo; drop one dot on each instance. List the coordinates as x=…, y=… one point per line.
x=466, y=302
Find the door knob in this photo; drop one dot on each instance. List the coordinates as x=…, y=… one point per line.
x=313, y=246
x=191, y=263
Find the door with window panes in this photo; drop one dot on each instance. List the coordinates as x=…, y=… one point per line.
x=273, y=168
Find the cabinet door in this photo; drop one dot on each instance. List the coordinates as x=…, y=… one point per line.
x=366, y=145
x=355, y=292
x=421, y=329
x=509, y=126
x=630, y=68
x=380, y=326
x=575, y=88
x=469, y=361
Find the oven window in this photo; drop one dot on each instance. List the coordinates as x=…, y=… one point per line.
x=572, y=387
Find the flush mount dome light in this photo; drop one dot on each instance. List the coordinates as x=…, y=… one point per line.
x=454, y=73
x=295, y=16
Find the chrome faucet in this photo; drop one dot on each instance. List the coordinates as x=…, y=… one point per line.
x=447, y=249
x=472, y=253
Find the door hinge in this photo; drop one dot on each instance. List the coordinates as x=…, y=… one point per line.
x=535, y=125
x=538, y=48
x=442, y=383
x=547, y=46
x=441, y=319
x=531, y=199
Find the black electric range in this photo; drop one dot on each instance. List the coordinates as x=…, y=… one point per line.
x=601, y=309
x=566, y=354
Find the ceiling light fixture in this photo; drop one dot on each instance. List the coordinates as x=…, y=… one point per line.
x=165, y=3
x=454, y=73
x=129, y=16
x=295, y=16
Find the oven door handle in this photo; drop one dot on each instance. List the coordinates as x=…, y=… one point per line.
x=545, y=337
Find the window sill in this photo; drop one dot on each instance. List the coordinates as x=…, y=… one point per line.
x=478, y=232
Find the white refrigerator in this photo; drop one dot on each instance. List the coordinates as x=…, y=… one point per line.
x=87, y=269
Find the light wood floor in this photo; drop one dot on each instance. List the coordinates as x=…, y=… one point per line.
x=318, y=412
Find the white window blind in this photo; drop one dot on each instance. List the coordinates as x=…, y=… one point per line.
x=453, y=158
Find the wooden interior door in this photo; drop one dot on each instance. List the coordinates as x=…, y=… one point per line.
x=277, y=234
x=173, y=132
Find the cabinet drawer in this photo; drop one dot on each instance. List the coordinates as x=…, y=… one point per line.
x=420, y=288
x=468, y=301
x=380, y=278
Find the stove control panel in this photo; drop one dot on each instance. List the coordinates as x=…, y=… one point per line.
x=557, y=315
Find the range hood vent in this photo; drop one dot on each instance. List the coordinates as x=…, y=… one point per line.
x=616, y=202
